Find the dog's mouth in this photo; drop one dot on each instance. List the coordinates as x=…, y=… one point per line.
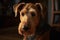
x=25, y=29
x=30, y=35
x=28, y=31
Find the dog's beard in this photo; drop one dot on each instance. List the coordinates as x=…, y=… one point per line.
x=28, y=32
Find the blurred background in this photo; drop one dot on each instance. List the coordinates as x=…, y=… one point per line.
x=9, y=23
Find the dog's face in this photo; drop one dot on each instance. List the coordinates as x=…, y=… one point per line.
x=29, y=17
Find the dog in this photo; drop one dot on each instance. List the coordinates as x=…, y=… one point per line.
x=32, y=21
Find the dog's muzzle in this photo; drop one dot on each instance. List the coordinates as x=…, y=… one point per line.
x=26, y=28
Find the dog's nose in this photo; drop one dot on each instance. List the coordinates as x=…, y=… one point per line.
x=25, y=28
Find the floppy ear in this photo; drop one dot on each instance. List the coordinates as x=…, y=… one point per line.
x=17, y=8
x=42, y=8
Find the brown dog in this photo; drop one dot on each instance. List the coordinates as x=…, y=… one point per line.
x=32, y=17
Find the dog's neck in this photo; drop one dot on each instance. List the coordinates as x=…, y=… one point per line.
x=30, y=37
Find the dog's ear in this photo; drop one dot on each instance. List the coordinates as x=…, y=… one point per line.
x=42, y=8
x=17, y=8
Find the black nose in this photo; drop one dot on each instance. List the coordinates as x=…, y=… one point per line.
x=25, y=28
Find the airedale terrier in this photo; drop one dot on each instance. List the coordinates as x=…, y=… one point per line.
x=32, y=17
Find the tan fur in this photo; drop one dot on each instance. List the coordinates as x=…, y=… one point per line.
x=33, y=20
x=27, y=18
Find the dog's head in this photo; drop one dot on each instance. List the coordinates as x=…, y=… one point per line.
x=30, y=15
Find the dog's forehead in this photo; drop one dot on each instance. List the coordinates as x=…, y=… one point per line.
x=29, y=7
x=32, y=10
x=28, y=10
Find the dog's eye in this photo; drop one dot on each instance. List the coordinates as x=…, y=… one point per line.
x=22, y=14
x=33, y=14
